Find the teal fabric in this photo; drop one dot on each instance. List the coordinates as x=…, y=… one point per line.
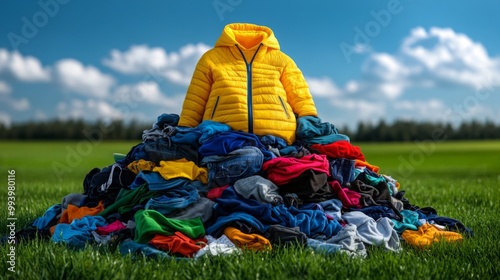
x=410, y=221
x=312, y=131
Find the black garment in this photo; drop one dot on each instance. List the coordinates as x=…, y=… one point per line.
x=310, y=186
x=280, y=235
x=107, y=183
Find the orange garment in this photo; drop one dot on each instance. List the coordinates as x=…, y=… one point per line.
x=428, y=234
x=373, y=168
x=178, y=243
x=251, y=241
x=74, y=212
x=138, y=165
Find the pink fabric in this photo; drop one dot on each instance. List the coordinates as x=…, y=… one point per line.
x=114, y=226
x=282, y=170
x=349, y=198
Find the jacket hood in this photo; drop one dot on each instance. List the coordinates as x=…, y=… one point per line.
x=248, y=36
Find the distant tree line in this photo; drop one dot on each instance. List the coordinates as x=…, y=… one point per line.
x=411, y=130
x=73, y=130
x=120, y=130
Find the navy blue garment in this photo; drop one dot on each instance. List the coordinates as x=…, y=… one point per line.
x=230, y=202
x=313, y=223
x=271, y=141
x=312, y=131
x=450, y=223
x=377, y=212
x=217, y=228
x=342, y=170
x=164, y=120
x=135, y=153
x=224, y=143
x=195, y=136
x=311, y=206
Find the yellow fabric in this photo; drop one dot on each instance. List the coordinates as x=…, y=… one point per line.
x=428, y=234
x=250, y=241
x=218, y=89
x=182, y=168
x=138, y=165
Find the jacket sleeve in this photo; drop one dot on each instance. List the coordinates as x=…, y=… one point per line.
x=197, y=95
x=298, y=95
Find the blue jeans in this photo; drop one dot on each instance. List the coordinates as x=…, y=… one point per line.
x=238, y=164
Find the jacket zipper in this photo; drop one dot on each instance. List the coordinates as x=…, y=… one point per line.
x=249, y=86
x=284, y=108
x=215, y=107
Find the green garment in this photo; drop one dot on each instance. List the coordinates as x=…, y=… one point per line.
x=127, y=199
x=150, y=222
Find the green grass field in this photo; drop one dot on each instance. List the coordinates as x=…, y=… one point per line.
x=459, y=179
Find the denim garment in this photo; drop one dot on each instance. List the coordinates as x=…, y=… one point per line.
x=342, y=170
x=175, y=199
x=164, y=149
x=333, y=208
x=311, y=222
x=238, y=164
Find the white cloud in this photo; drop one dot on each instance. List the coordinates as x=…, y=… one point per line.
x=86, y=80
x=23, y=68
x=360, y=109
x=5, y=119
x=177, y=67
x=438, y=57
x=5, y=88
x=322, y=87
x=22, y=104
x=88, y=109
x=148, y=92
x=427, y=109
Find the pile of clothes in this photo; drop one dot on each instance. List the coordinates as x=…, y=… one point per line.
x=205, y=191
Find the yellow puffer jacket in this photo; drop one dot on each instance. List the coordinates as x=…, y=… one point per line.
x=246, y=82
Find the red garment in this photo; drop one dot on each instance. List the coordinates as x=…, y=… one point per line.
x=340, y=149
x=215, y=193
x=282, y=170
x=178, y=243
x=349, y=198
x=114, y=226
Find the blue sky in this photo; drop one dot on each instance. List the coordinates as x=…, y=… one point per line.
x=363, y=60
